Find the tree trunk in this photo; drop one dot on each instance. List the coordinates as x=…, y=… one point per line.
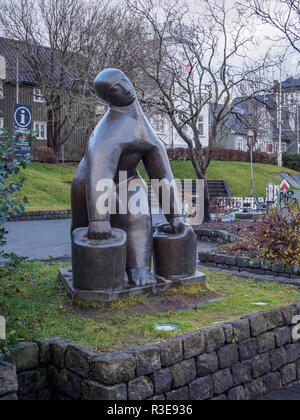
x=53, y=127
x=206, y=202
x=200, y=170
x=50, y=130
x=57, y=152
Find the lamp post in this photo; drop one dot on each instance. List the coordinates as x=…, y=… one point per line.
x=2, y=75
x=250, y=135
x=280, y=127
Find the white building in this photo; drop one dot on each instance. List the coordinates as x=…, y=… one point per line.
x=168, y=134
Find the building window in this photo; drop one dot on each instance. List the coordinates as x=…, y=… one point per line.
x=40, y=129
x=260, y=146
x=283, y=98
x=201, y=126
x=241, y=144
x=283, y=147
x=250, y=108
x=38, y=96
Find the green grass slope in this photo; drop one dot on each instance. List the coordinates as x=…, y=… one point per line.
x=47, y=186
x=237, y=175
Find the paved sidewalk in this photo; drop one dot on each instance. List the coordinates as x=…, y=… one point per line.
x=206, y=246
x=40, y=239
x=290, y=394
x=43, y=239
x=50, y=239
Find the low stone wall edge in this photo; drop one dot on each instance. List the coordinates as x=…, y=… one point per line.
x=240, y=360
x=245, y=264
x=41, y=215
x=213, y=235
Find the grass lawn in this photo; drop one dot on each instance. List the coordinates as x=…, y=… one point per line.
x=35, y=305
x=47, y=187
x=237, y=175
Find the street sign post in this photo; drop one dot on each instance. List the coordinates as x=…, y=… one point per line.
x=2, y=68
x=22, y=125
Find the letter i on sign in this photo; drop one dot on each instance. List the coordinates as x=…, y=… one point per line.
x=23, y=122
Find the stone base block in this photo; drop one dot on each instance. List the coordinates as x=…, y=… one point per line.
x=249, y=216
x=107, y=296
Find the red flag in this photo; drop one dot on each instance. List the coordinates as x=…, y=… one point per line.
x=189, y=68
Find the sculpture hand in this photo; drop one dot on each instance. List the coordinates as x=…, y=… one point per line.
x=99, y=230
x=176, y=224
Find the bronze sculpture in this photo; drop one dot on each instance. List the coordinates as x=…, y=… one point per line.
x=121, y=140
x=107, y=240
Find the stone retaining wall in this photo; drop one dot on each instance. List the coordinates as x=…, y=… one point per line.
x=8, y=382
x=211, y=235
x=245, y=264
x=41, y=215
x=241, y=360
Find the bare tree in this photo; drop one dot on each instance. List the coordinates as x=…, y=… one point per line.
x=198, y=60
x=118, y=29
x=64, y=43
x=257, y=115
x=283, y=15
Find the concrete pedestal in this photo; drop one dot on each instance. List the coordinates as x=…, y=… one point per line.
x=107, y=296
x=175, y=256
x=98, y=265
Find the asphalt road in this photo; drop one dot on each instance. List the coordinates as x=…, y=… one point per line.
x=50, y=239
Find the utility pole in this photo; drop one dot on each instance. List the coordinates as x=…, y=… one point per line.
x=2, y=75
x=280, y=125
x=295, y=75
x=250, y=136
x=297, y=127
x=18, y=93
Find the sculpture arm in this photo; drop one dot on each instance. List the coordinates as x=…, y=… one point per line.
x=102, y=162
x=158, y=168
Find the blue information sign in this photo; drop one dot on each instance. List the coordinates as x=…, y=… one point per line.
x=22, y=125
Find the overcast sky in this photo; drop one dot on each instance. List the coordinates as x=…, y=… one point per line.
x=262, y=32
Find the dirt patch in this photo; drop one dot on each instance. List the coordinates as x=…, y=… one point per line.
x=175, y=303
x=146, y=304
x=238, y=228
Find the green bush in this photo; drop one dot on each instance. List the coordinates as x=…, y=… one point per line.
x=9, y=203
x=291, y=161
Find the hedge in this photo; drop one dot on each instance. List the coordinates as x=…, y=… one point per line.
x=291, y=161
x=44, y=154
x=231, y=155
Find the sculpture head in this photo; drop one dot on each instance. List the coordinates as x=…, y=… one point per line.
x=115, y=88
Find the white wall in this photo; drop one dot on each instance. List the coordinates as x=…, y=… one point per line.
x=168, y=134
